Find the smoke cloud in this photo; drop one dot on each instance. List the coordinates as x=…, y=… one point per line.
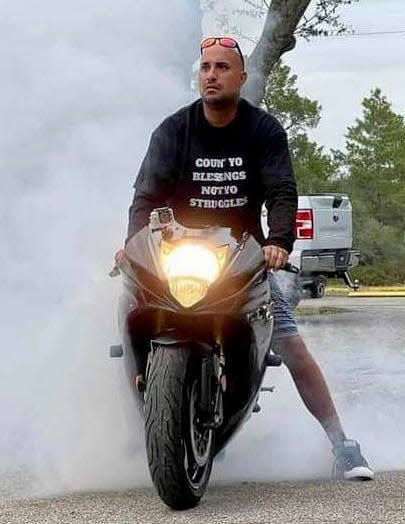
x=83, y=85
x=364, y=364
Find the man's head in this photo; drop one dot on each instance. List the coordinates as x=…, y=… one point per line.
x=222, y=71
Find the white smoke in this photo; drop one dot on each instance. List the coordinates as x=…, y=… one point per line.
x=83, y=85
x=364, y=364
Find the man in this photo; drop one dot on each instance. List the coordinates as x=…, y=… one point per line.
x=216, y=162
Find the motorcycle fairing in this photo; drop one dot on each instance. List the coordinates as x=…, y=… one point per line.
x=149, y=312
x=244, y=264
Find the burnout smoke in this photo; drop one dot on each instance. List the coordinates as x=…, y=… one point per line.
x=365, y=368
x=83, y=85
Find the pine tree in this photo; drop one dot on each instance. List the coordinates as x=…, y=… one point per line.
x=376, y=160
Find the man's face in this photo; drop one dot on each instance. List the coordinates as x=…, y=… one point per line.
x=221, y=75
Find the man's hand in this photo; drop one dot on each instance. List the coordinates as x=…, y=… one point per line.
x=275, y=257
x=119, y=255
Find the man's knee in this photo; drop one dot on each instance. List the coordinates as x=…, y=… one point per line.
x=294, y=352
x=292, y=343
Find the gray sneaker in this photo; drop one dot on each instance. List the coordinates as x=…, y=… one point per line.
x=350, y=463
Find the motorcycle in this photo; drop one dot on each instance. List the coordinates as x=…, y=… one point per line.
x=196, y=320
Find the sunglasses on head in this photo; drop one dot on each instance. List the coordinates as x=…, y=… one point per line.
x=224, y=41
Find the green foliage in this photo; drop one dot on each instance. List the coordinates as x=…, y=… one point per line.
x=371, y=171
x=378, y=242
x=295, y=112
x=315, y=169
x=375, y=160
x=379, y=274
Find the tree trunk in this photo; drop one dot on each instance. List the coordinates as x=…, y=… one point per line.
x=277, y=38
x=183, y=46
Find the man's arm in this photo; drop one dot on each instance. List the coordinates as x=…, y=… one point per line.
x=280, y=190
x=156, y=178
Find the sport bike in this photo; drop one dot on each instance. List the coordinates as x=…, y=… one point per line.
x=196, y=322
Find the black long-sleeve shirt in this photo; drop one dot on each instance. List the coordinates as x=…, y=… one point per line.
x=219, y=175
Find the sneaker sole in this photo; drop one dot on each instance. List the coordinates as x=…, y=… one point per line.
x=359, y=473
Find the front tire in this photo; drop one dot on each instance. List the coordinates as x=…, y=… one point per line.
x=180, y=454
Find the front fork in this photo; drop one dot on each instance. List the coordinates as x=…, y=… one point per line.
x=213, y=385
x=212, y=382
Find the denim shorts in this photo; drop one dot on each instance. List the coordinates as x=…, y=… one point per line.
x=284, y=321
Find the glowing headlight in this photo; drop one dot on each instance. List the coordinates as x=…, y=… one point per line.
x=190, y=269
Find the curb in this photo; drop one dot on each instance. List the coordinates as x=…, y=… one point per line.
x=359, y=294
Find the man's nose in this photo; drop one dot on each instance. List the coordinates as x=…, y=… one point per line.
x=212, y=73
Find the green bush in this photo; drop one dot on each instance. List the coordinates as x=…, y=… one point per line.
x=389, y=274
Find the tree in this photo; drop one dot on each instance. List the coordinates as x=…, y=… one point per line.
x=282, y=24
x=282, y=99
x=376, y=160
x=314, y=168
x=284, y=20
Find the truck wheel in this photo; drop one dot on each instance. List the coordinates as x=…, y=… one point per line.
x=318, y=288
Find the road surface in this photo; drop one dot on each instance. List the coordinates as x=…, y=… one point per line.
x=381, y=501
x=360, y=344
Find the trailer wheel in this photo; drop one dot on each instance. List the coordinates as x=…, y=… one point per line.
x=318, y=288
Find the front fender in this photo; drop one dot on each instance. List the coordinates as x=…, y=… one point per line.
x=174, y=337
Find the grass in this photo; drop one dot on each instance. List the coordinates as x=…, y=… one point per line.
x=342, y=290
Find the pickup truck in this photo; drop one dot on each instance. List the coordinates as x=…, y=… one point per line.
x=323, y=245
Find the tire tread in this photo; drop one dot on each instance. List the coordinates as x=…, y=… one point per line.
x=164, y=411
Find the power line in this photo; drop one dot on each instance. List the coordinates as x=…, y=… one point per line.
x=367, y=33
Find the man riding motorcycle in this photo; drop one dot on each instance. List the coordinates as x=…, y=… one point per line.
x=215, y=162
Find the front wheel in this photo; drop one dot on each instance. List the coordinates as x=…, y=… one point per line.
x=179, y=450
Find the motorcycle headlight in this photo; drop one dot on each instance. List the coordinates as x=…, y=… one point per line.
x=190, y=269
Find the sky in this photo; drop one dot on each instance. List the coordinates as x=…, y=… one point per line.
x=340, y=71
x=84, y=82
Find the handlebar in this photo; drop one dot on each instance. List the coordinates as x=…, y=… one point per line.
x=290, y=268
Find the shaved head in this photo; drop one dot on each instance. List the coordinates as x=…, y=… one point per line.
x=221, y=75
x=228, y=52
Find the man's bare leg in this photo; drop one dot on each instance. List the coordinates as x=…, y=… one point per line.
x=349, y=462
x=311, y=385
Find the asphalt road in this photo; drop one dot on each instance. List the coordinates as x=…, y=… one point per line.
x=360, y=344
x=355, y=303
x=381, y=501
